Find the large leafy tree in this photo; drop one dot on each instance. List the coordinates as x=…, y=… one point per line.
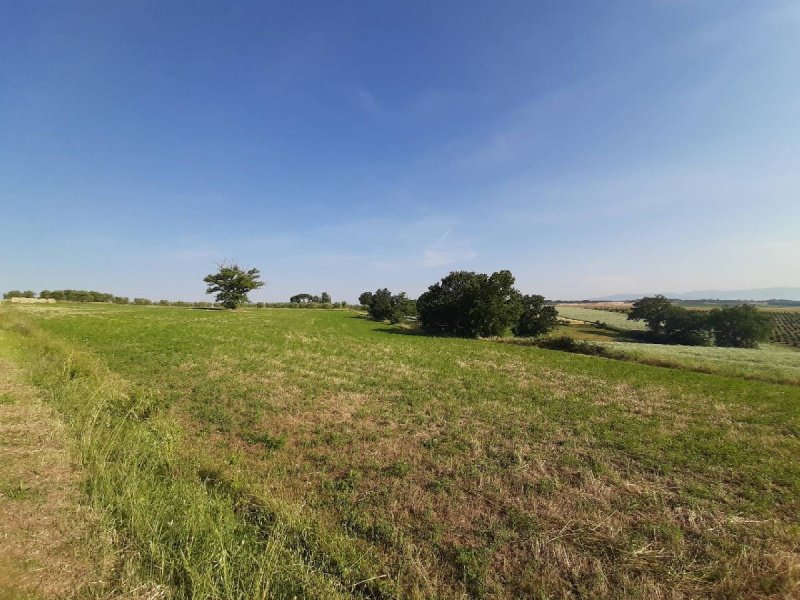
x=740, y=326
x=471, y=304
x=365, y=299
x=231, y=284
x=653, y=310
x=537, y=318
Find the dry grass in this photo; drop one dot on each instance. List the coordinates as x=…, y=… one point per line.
x=43, y=526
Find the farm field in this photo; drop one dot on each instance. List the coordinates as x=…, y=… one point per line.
x=286, y=453
x=787, y=328
x=777, y=362
x=592, y=315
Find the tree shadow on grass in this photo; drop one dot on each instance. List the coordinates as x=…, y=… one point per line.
x=420, y=333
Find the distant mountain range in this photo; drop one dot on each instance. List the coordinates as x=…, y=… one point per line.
x=758, y=294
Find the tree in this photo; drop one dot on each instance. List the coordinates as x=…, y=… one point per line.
x=365, y=299
x=471, y=304
x=325, y=298
x=13, y=294
x=232, y=284
x=300, y=298
x=740, y=326
x=653, y=311
x=537, y=318
x=688, y=327
x=383, y=305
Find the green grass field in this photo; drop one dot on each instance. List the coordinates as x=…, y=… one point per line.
x=285, y=453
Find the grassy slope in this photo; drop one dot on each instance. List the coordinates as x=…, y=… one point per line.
x=397, y=464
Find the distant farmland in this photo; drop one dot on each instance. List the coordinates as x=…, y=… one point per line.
x=616, y=317
x=787, y=328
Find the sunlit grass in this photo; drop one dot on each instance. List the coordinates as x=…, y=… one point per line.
x=368, y=460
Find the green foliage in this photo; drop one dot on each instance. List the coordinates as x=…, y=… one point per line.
x=142, y=301
x=471, y=304
x=692, y=328
x=365, y=299
x=537, y=318
x=300, y=298
x=652, y=310
x=742, y=326
x=68, y=295
x=232, y=284
x=325, y=298
x=385, y=306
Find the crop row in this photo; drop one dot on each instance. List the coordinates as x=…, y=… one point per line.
x=786, y=328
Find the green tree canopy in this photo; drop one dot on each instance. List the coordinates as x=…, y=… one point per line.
x=742, y=326
x=365, y=299
x=537, y=318
x=471, y=304
x=300, y=298
x=231, y=284
x=383, y=305
x=653, y=310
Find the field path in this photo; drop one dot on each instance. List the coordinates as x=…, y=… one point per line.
x=41, y=522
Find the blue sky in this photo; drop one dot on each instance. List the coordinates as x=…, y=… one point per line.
x=590, y=147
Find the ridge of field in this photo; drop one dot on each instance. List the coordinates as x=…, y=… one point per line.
x=448, y=467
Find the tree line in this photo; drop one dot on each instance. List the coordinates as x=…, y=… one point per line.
x=468, y=304
x=740, y=326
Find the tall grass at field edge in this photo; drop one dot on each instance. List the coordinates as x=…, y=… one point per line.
x=184, y=525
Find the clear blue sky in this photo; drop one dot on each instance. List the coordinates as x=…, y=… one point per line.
x=590, y=147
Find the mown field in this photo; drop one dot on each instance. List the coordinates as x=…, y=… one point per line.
x=280, y=453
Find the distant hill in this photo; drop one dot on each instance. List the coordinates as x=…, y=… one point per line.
x=758, y=294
